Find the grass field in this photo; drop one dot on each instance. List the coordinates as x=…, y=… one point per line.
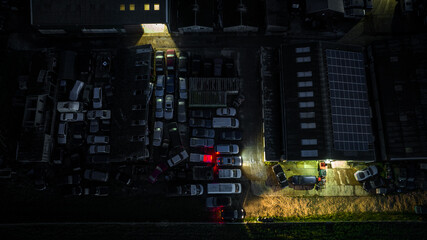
x=370, y=208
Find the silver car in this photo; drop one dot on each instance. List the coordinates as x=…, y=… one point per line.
x=169, y=107
x=235, y=161
x=94, y=149
x=227, y=148
x=92, y=139
x=71, y=117
x=160, y=86
x=159, y=107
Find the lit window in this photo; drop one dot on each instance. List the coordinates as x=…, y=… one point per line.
x=302, y=50
x=308, y=141
x=305, y=84
x=122, y=7
x=156, y=7
x=132, y=7
x=309, y=153
x=303, y=115
x=305, y=74
x=305, y=94
x=308, y=125
x=306, y=104
x=303, y=59
x=147, y=7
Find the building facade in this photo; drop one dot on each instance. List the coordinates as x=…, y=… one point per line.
x=325, y=109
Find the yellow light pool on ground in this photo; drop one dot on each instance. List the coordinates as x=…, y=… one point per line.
x=154, y=28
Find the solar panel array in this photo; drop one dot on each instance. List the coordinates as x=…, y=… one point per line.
x=349, y=100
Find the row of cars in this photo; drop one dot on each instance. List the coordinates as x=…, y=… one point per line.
x=84, y=126
x=203, y=128
x=188, y=64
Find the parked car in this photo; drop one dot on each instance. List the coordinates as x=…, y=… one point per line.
x=109, y=93
x=105, y=125
x=207, y=68
x=71, y=117
x=159, y=107
x=71, y=179
x=95, y=159
x=218, y=67
x=196, y=62
x=203, y=133
x=229, y=173
x=156, y=172
x=101, y=191
x=182, y=111
x=170, y=84
x=170, y=59
x=160, y=61
x=183, y=88
x=231, y=135
x=101, y=114
x=229, y=68
x=227, y=148
x=160, y=86
x=280, y=176
x=78, y=134
x=203, y=123
x=63, y=107
x=225, y=122
x=62, y=133
x=87, y=93
x=231, y=214
x=201, y=142
x=218, y=202
x=174, y=136
x=365, y=174
x=183, y=62
x=96, y=149
x=303, y=182
x=94, y=175
x=201, y=113
x=138, y=138
x=94, y=126
x=137, y=122
x=226, y=112
x=75, y=92
x=158, y=133
x=92, y=139
x=373, y=184
x=97, y=98
x=169, y=107
x=232, y=161
x=178, y=158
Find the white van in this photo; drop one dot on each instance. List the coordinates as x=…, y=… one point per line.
x=225, y=122
x=75, y=92
x=224, y=188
